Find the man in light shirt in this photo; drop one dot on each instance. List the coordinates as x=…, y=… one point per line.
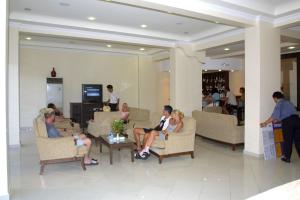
x=230, y=100
x=114, y=99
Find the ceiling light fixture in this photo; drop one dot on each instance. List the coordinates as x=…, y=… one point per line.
x=142, y=49
x=108, y=0
x=232, y=70
x=292, y=47
x=220, y=70
x=226, y=49
x=28, y=38
x=217, y=22
x=108, y=45
x=91, y=18
x=205, y=70
x=144, y=26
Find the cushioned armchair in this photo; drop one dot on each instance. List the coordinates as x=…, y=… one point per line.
x=55, y=150
x=102, y=123
x=176, y=144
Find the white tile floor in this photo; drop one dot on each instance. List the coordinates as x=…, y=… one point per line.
x=215, y=173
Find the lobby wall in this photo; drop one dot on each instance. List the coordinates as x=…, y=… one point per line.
x=133, y=77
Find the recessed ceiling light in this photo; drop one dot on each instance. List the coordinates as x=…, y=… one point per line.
x=292, y=47
x=205, y=70
x=64, y=4
x=144, y=26
x=28, y=38
x=27, y=9
x=91, y=18
x=226, y=49
x=108, y=45
x=232, y=70
x=142, y=49
x=217, y=22
x=108, y=0
x=220, y=70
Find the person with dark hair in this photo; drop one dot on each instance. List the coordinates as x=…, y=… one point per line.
x=56, y=110
x=175, y=125
x=114, y=99
x=163, y=125
x=285, y=112
x=230, y=102
x=215, y=96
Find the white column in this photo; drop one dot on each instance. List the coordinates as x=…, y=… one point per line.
x=262, y=78
x=3, y=66
x=13, y=88
x=186, y=79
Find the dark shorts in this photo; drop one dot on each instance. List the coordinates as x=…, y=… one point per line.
x=113, y=106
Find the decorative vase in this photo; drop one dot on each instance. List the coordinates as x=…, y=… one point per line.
x=118, y=136
x=53, y=73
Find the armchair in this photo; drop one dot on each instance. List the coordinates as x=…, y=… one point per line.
x=55, y=150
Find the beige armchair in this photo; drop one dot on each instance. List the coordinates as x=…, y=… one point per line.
x=56, y=150
x=102, y=123
x=176, y=144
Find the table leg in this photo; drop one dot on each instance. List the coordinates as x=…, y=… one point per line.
x=132, y=154
x=100, y=144
x=111, y=155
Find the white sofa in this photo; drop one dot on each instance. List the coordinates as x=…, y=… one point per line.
x=219, y=127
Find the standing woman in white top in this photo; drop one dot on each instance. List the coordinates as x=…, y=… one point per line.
x=113, y=100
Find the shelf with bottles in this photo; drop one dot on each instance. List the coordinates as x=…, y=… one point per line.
x=218, y=80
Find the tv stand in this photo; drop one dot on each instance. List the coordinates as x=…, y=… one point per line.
x=83, y=112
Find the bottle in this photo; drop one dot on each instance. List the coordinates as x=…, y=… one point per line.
x=53, y=73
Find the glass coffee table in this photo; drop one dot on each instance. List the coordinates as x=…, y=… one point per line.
x=125, y=143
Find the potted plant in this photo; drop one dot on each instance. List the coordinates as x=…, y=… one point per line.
x=117, y=127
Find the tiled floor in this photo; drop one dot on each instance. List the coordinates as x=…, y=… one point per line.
x=215, y=173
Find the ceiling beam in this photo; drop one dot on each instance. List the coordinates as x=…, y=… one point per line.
x=196, y=9
x=219, y=40
x=87, y=34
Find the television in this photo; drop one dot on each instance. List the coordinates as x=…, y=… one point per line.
x=92, y=93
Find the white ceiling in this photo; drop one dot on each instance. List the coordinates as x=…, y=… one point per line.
x=168, y=22
x=119, y=18
x=269, y=7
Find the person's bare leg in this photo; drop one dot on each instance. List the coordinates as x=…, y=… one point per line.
x=146, y=136
x=151, y=138
x=88, y=143
x=137, y=136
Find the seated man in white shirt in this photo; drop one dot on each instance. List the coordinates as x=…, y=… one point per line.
x=163, y=125
x=114, y=99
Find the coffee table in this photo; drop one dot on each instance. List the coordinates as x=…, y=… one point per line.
x=126, y=143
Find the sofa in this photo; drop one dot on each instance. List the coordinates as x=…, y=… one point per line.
x=55, y=150
x=214, y=109
x=219, y=127
x=175, y=144
x=101, y=125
